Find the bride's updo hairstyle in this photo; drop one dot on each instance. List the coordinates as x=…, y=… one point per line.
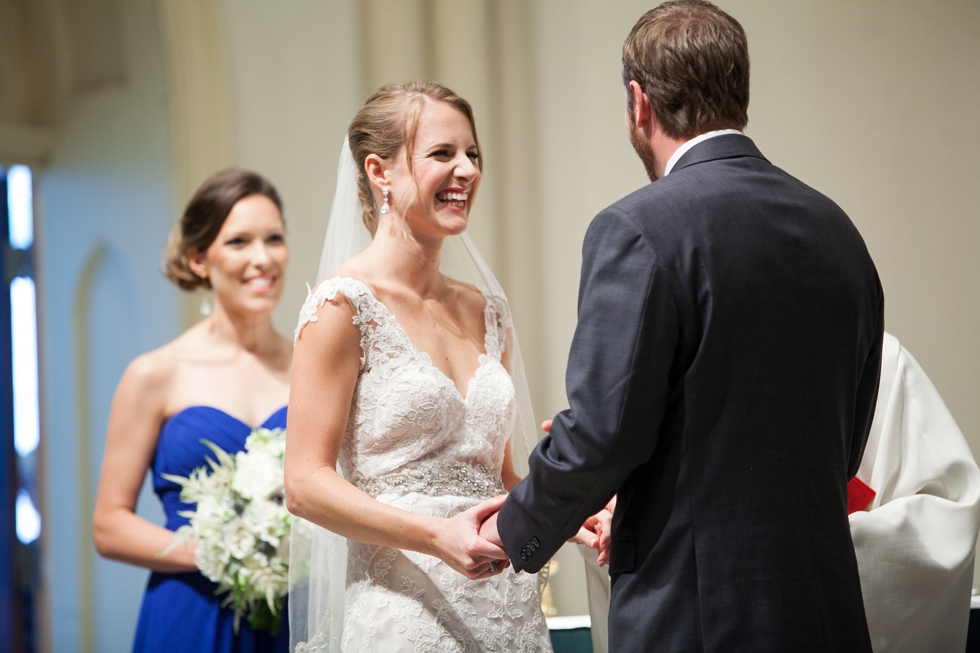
x=203, y=218
x=389, y=121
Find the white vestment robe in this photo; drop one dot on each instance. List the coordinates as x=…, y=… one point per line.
x=916, y=543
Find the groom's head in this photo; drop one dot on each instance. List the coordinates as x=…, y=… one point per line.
x=691, y=61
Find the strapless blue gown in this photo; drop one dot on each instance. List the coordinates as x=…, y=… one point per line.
x=180, y=612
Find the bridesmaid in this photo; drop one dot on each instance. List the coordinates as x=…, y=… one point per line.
x=216, y=381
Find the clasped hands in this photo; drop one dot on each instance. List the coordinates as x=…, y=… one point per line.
x=476, y=550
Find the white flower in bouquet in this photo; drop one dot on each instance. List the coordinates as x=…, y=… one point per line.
x=242, y=526
x=259, y=472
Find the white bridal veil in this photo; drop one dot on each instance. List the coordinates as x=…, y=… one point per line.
x=318, y=557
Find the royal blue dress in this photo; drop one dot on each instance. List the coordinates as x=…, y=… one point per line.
x=180, y=612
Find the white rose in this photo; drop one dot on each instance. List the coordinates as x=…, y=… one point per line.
x=257, y=477
x=240, y=541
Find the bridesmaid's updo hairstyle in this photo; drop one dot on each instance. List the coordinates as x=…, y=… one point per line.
x=387, y=122
x=203, y=218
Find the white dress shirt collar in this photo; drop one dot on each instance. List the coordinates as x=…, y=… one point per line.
x=700, y=138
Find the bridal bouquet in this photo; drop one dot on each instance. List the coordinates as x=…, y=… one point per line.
x=242, y=526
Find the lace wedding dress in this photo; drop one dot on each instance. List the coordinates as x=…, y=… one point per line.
x=413, y=441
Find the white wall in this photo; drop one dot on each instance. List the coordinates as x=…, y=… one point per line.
x=108, y=184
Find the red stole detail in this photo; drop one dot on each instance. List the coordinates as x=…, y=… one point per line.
x=859, y=495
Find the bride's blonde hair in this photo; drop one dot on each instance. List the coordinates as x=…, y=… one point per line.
x=389, y=121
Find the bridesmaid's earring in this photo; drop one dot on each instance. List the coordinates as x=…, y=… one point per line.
x=384, y=207
x=206, y=304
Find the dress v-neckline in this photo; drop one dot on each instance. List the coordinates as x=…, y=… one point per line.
x=424, y=356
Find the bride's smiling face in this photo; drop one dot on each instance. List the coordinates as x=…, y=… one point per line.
x=436, y=200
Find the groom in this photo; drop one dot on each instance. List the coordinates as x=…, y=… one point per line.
x=722, y=377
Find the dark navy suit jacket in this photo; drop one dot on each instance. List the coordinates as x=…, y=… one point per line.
x=722, y=381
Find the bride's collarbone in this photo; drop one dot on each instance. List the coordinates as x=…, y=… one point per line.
x=454, y=352
x=436, y=319
x=448, y=328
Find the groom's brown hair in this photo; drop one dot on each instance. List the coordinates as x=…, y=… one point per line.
x=692, y=61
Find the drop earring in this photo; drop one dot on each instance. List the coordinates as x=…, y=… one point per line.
x=206, y=304
x=384, y=207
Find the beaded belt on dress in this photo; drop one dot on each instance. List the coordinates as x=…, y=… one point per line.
x=438, y=478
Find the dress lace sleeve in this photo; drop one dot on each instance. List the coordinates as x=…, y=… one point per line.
x=357, y=294
x=498, y=324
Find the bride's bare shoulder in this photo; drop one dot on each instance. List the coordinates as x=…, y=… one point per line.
x=350, y=270
x=467, y=296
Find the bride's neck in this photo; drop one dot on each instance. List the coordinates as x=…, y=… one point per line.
x=408, y=258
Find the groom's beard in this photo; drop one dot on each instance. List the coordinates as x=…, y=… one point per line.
x=643, y=150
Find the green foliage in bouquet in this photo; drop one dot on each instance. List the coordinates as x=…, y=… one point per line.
x=242, y=526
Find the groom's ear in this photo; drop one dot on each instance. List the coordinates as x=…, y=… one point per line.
x=642, y=110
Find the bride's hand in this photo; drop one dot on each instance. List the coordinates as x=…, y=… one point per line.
x=588, y=534
x=460, y=545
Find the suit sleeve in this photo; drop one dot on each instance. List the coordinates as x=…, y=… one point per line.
x=617, y=387
x=867, y=388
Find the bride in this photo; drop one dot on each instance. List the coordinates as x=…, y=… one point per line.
x=402, y=375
